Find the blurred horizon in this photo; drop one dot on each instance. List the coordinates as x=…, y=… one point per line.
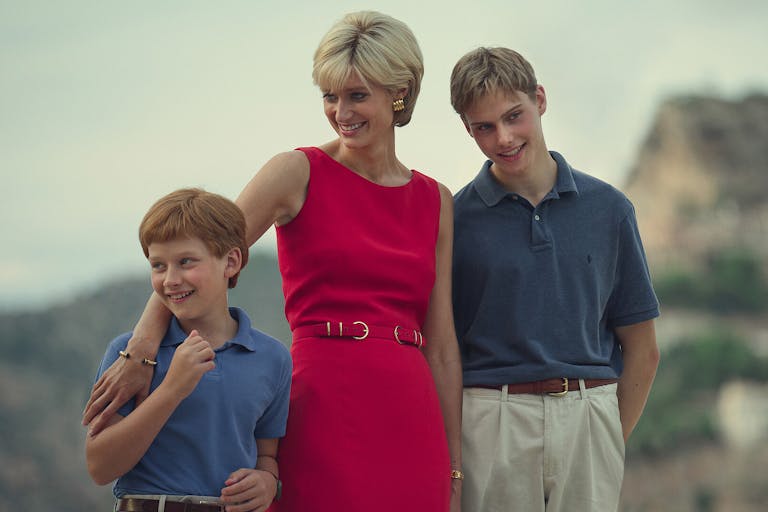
x=109, y=106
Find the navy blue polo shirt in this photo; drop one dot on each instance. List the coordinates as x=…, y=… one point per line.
x=213, y=431
x=537, y=291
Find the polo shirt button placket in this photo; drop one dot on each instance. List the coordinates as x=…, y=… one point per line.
x=539, y=237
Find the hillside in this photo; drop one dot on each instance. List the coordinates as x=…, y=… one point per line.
x=700, y=179
x=698, y=186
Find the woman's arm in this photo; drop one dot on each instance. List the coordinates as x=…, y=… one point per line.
x=275, y=195
x=442, y=349
x=127, y=378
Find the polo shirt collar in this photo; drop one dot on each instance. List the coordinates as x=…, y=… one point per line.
x=492, y=192
x=565, y=181
x=176, y=335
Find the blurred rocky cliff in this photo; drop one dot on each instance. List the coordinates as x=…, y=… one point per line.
x=701, y=178
x=699, y=188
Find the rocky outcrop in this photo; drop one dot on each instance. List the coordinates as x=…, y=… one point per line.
x=701, y=178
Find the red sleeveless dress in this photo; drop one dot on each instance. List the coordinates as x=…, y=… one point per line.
x=365, y=431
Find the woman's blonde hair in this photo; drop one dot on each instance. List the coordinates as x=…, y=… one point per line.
x=380, y=48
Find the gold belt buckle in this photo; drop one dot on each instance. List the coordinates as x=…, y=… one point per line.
x=418, y=340
x=564, y=391
x=397, y=339
x=365, y=335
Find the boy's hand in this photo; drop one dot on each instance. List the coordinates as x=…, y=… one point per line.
x=191, y=360
x=249, y=490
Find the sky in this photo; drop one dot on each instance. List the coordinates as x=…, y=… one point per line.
x=106, y=106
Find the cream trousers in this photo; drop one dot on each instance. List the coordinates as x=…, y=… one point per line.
x=536, y=453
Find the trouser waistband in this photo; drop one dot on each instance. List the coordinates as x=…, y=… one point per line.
x=553, y=387
x=168, y=503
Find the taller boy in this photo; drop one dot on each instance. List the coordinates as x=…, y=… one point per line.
x=553, y=305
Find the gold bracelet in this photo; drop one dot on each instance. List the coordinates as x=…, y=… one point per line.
x=456, y=474
x=146, y=361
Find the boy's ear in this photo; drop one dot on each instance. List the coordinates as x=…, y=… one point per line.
x=541, y=99
x=234, y=262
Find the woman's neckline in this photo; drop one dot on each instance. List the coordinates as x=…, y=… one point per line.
x=360, y=176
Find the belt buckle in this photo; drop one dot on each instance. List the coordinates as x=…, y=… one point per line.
x=365, y=334
x=397, y=339
x=418, y=340
x=563, y=392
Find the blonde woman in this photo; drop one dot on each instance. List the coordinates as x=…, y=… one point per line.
x=364, y=245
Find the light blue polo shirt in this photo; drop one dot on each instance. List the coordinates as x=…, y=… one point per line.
x=538, y=291
x=213, y=431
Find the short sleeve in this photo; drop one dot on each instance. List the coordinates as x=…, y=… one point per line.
x=272, y=422
x=632, y=299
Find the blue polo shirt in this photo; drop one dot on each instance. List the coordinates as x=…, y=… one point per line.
x=537, y=291
x=213, y=431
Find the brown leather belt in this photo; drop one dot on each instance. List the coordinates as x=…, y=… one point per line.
x=360, y=331
x=554, y=387
x=146, y=505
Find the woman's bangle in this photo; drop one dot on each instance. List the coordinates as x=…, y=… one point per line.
x=146, y=361
x=457, y=474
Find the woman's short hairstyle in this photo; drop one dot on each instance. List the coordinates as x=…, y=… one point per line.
x=194, y=213
x=489, y=70
x=380, y=48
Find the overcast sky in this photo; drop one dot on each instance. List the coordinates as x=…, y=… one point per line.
x=105, y=106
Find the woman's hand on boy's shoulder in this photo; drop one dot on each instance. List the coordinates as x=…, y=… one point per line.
x=123, y=380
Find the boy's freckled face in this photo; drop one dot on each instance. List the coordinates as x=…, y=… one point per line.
x=190, y=280
x=507, y=129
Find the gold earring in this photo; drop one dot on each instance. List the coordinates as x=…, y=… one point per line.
x=398, y=105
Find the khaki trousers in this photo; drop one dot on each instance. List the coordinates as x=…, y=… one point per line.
x=536, y=453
